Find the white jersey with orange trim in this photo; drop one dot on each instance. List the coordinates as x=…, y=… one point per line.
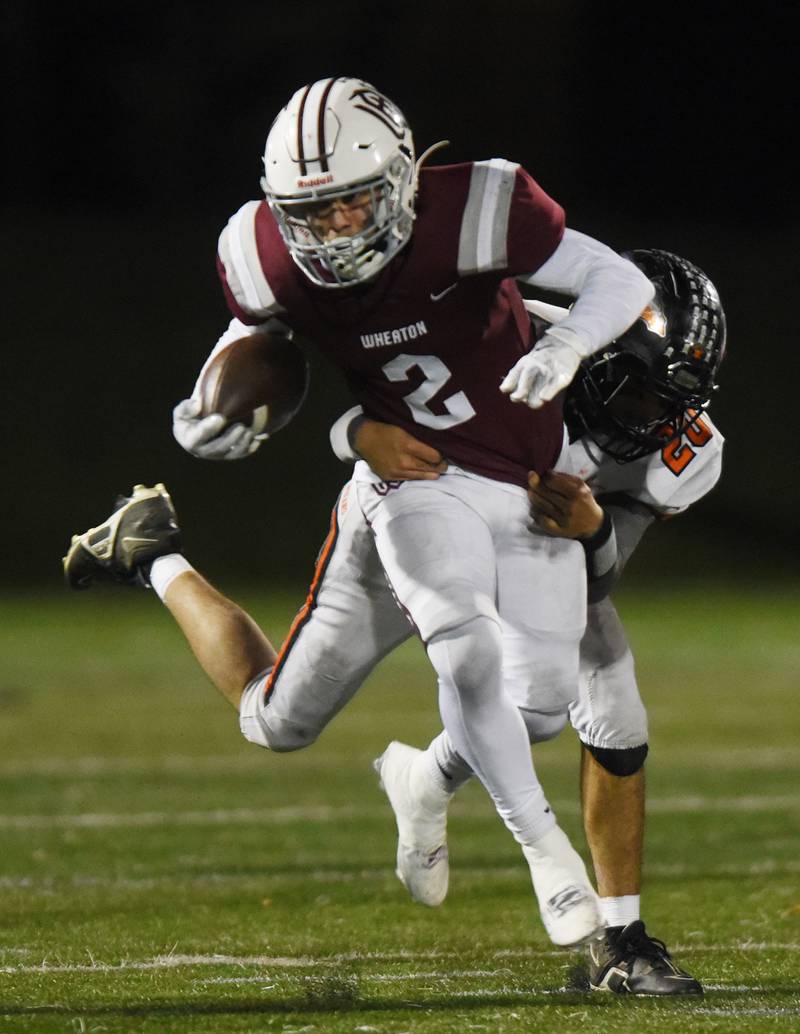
x=668, y=481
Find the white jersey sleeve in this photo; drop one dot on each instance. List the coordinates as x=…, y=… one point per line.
x=668, y=481
x=610, y=291
x=340, y=436
x=685, y=470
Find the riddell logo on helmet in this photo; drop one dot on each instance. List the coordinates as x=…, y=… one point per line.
x=315, y=181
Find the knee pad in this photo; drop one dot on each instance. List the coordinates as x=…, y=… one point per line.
x=282, y=736
x=275, y=734
x=625, y=762
x=260, y=724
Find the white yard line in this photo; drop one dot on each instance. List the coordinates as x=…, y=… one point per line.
x=732, y=1013
x=451, y=974
x=177, y=961
x=737, y=758
x=246, y=764
x=737, y=988
x=465, y=876
x=749, y=802
x=211, y=817
x=99, y=766
x=335, y=813
x=165, y=962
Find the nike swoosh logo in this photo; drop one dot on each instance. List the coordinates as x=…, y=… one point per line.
x=438, y=297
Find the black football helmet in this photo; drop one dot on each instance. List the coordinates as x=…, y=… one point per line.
x=643, y=391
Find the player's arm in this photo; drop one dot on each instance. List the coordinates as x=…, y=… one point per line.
x=610, y=292
x=392, y=453
x=608, y=528
x=254, y=309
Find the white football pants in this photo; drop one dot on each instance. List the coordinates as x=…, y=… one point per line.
x=350, y=621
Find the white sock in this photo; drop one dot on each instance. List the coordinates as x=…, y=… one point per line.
x=619, y=911
x=165, y=569
x=485, y=727
x=445, y=768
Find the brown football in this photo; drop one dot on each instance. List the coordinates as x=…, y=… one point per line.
x=259, y=380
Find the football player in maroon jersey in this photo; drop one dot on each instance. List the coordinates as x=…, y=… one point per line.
x=350, y=620
x=406, y=279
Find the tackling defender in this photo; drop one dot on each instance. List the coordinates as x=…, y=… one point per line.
x=642, y=446
x=406, y=279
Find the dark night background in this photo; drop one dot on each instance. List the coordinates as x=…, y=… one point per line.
x=133, y=130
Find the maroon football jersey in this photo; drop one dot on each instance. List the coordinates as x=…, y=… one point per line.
x=426, y=344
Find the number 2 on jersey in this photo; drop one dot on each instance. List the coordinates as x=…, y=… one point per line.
x=459, y=408
x=678, y=454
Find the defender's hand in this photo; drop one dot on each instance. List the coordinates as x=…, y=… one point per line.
x=209, y=438
x=563, y=505
x=395, y=455
x=541, y=374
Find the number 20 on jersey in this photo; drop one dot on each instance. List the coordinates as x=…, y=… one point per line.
x=679, y=453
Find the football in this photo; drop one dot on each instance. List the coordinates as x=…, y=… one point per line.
x=260, y=381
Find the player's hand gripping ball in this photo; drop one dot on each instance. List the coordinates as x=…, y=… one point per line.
x=251, y=389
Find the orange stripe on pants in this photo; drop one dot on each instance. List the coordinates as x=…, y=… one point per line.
x=311, y=601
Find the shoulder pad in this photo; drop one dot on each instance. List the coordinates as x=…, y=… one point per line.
x=238, y=253
x=482, y=244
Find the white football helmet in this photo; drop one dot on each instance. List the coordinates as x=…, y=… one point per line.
x=335, y=139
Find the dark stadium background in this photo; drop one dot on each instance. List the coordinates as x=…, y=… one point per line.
x=133, y=130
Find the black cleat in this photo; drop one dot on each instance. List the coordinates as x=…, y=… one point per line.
x=142, y=527
x=627, y=960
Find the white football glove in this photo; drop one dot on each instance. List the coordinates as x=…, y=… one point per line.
x=208, y=437
x=541, y=374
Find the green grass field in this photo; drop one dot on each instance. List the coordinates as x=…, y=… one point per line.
x=159, y=874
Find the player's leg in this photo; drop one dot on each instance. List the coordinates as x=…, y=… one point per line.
x=229, y=646
x=420, y=785
x=612, y=724
x=612, y=805
x=537, y=637
x=348, y=623
x=542, y=602
x=349, y=620
x=139, y=545
x=437, y=547
x=439, y=556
